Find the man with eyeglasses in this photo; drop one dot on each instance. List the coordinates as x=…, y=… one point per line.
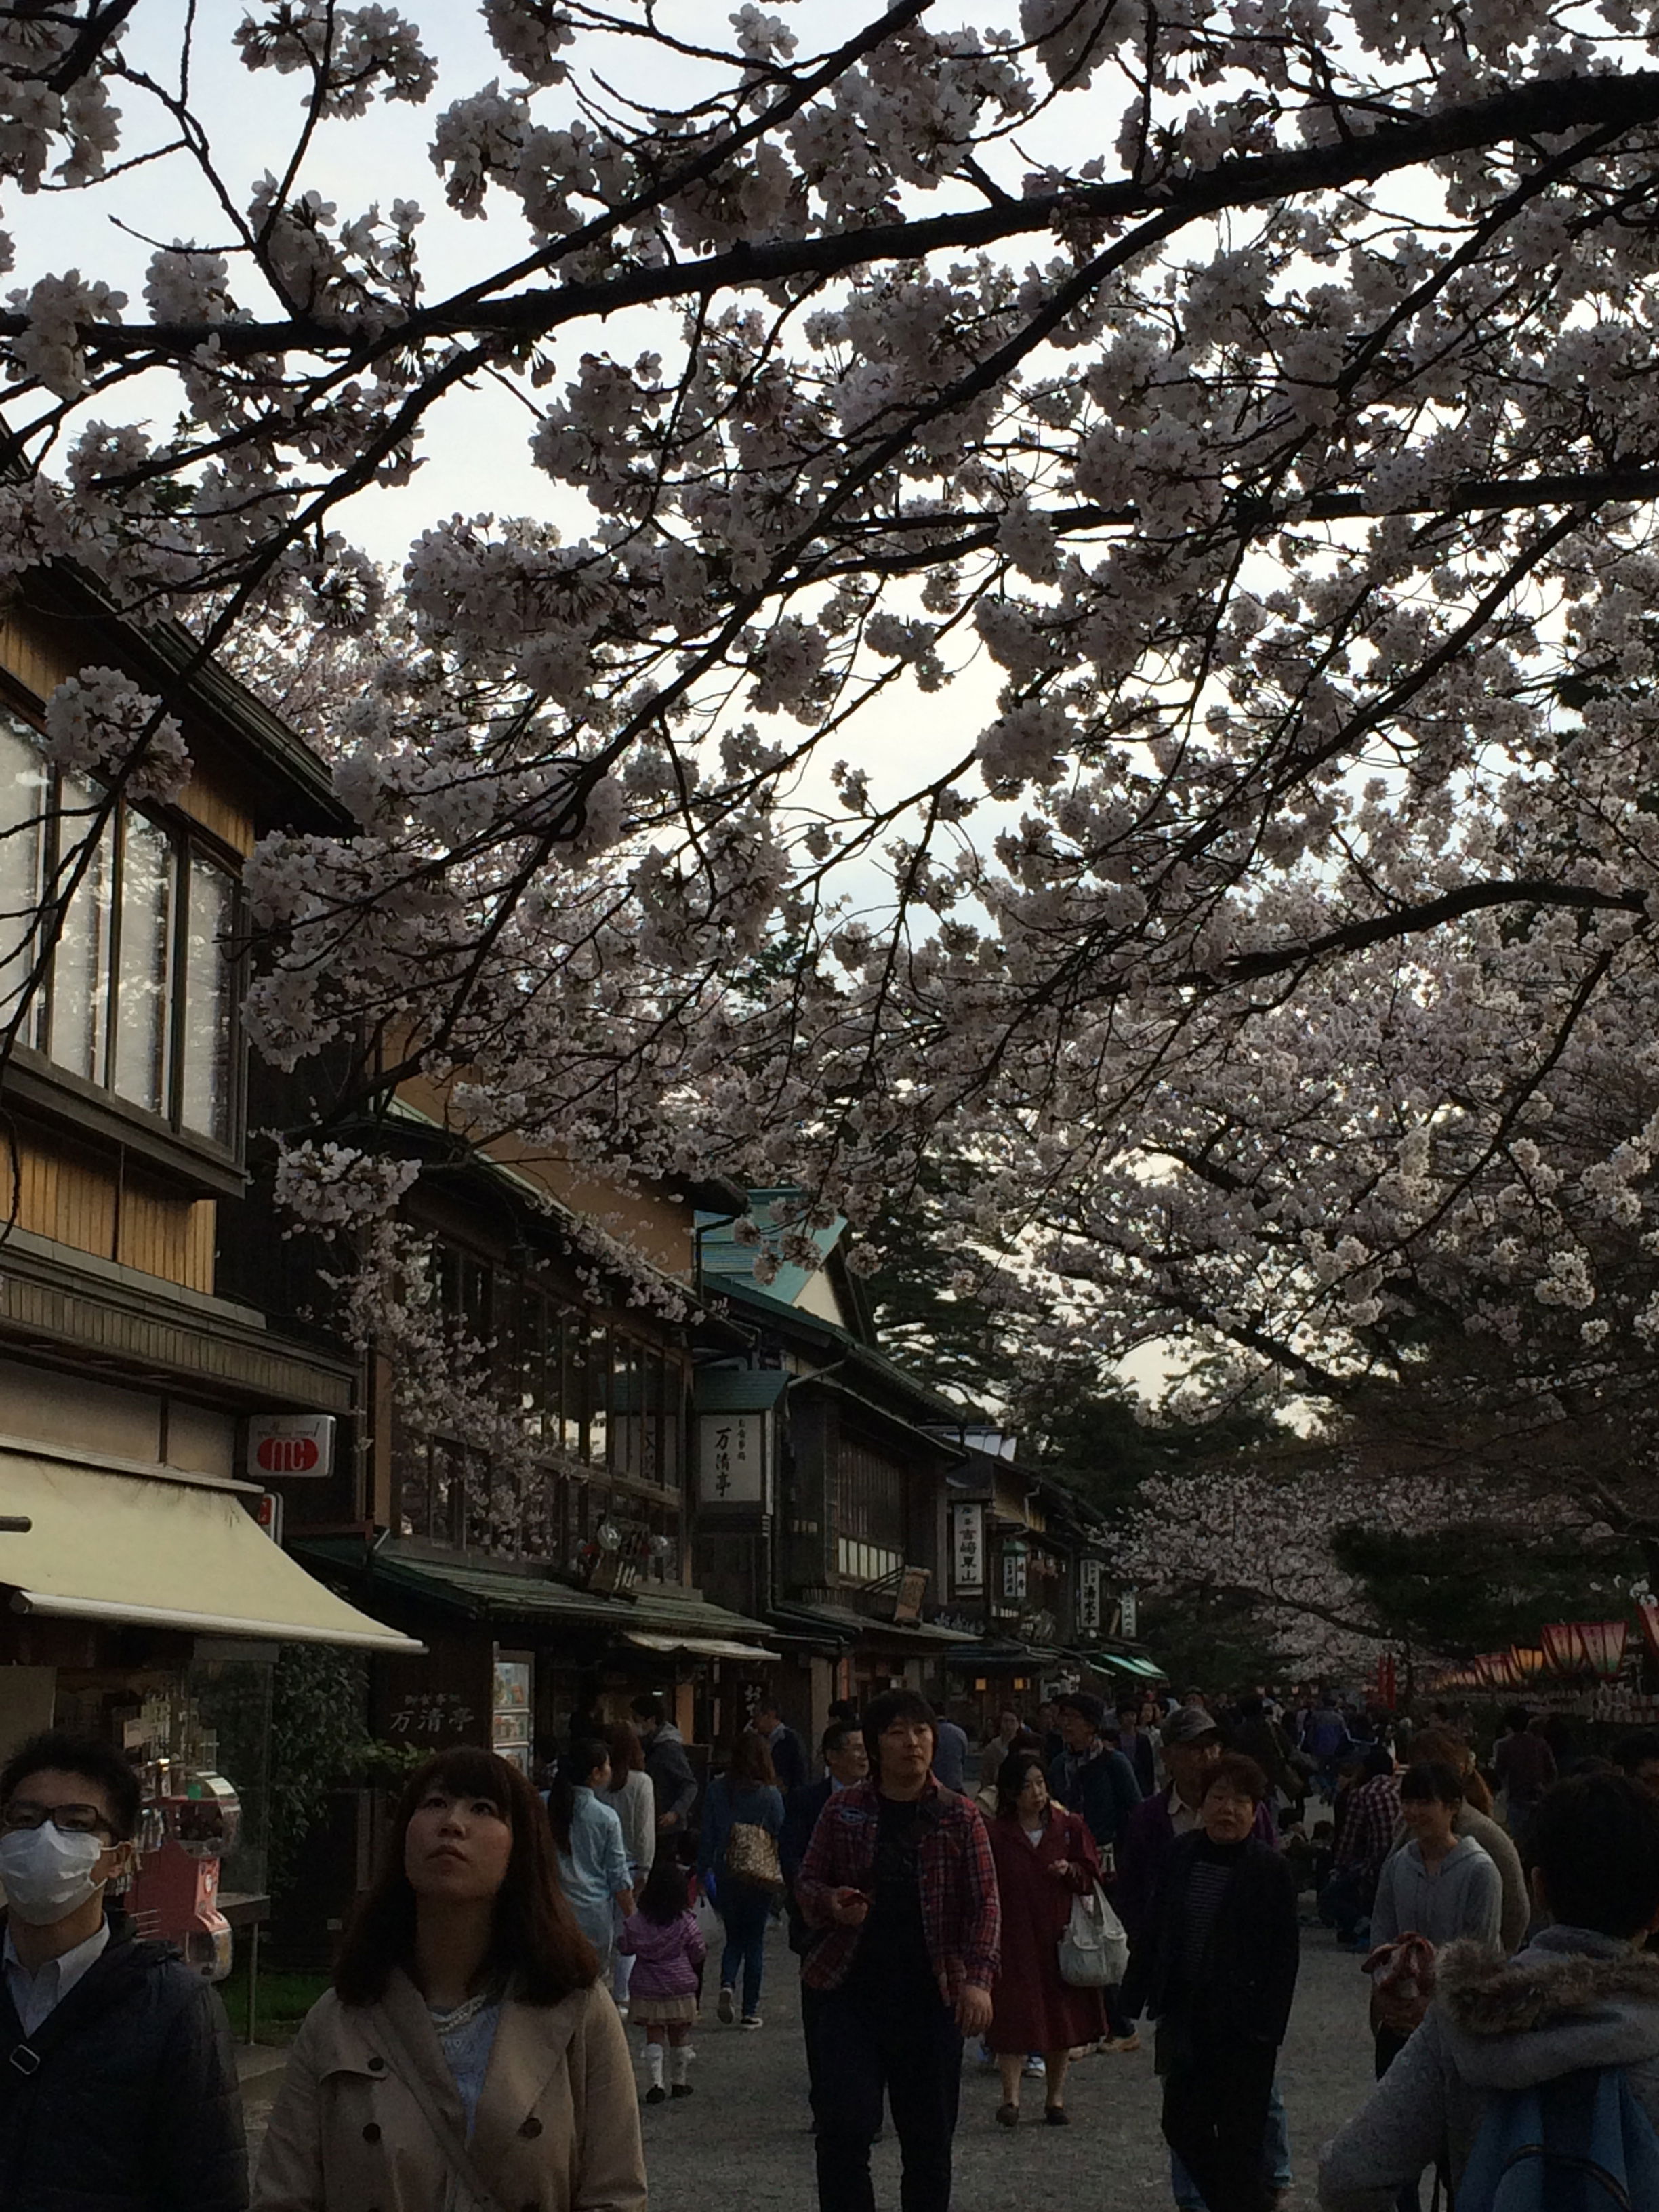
x=118, y=2082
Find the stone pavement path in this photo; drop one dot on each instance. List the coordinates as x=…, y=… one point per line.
x=742, y=2139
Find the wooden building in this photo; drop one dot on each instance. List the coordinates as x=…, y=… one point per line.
x=141, y=1594
x=820, y=1469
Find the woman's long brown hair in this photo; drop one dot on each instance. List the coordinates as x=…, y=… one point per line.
x=535, y=1942
x=626, y=1753
x=751, y=1763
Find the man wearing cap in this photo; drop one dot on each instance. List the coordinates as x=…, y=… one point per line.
x=1192, y=1745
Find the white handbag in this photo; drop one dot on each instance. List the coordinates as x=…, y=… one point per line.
x=1094, y=1951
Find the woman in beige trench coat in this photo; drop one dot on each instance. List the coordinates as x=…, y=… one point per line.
x=466, y=2059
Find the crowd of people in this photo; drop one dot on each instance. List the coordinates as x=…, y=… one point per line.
x=1034, y=1900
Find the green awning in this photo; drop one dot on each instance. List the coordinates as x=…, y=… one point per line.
x=1143, y=1670
x=480, y=1594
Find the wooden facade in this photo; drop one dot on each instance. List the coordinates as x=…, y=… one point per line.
x=76, y=1186
x=80, y=1197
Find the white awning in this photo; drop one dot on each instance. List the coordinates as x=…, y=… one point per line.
x=162, y=1553
x=701, y=1647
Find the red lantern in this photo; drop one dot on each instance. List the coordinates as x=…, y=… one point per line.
x=1603, y=1642
x=1648, y=1613
x=1562, y=1647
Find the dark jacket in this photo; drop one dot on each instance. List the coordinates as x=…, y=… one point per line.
x=789, y=1760
x=1140, y=1755
x=1247, y=1979
x=799, y=1819
x=1265, y=1741
x=134, y=2106
x=671, y=1778
x=1102, y=1787
x=1145, y=1851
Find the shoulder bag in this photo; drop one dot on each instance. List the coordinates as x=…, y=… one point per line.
x=751, y=1855
x=1094, y=1951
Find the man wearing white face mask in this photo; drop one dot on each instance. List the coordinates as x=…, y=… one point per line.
x=118, y=2083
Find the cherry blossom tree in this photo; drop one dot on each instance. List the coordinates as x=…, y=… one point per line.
x=1221, y=435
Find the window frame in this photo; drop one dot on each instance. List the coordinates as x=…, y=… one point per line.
x=570, y=1347
x=89, y=1104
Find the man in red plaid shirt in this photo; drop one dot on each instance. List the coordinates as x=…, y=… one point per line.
x=899, y=1886
x=1367, y=1836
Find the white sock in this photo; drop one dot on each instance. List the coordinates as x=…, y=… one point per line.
x=653, y=2063
x=677, y=2056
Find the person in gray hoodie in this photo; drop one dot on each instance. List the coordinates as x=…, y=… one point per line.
x=1583, y=1994
x=672, y=1781
x=1440, y=1883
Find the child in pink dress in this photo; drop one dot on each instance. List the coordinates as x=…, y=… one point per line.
x=666, y=1945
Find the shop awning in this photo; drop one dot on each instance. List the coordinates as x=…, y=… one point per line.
x=1122, y=1662
x=480, y=1592
x=147, y=1552
x=1009, y=1655
x=702, y=1647
x=845, y=1627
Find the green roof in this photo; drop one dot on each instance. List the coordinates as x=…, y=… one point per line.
x=726, y=1260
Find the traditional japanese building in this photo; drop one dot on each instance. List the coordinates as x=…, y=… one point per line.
x=553, y=1578
x=1029, y=1578
x=820, y=1470
x=142, y=1596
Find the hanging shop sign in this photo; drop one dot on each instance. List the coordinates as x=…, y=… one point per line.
x=967, y=1548
x=1088, y=1597
x=912, y=1593
x=732, y=1458
x=1015, y=1569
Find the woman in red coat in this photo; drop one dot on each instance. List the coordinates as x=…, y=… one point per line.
x=1045, y=1857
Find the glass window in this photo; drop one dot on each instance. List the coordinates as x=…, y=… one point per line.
x=81, y=962
x=142, y=991
x=627, y=1408
x=504, y=1508
x=598, y=1394
x=538, y=1530
x=673, y=1422
x=572, y=1394
x=209, y=1009
x=446, y=1487
x=651, y=1415
x=414, y=1488
x=24, y=796
x=532, y=1373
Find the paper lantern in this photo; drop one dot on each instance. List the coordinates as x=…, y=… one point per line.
x=1526, y=1660
x=1648, y=1613
x=1562, y=1647
x=1603, y=1643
